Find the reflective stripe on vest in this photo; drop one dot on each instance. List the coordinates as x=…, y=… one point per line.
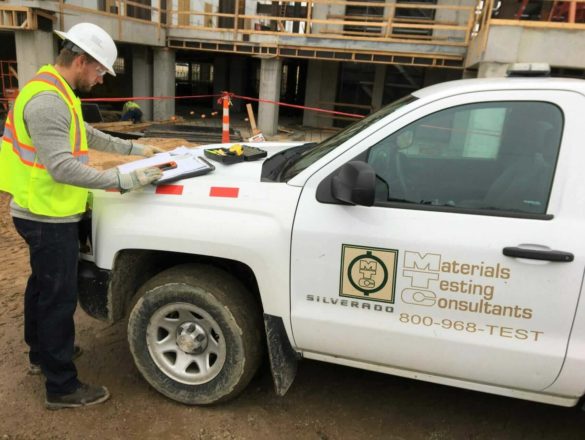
x=26, y=153
x=51, y=79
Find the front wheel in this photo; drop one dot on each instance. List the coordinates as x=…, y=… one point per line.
x=195, y=334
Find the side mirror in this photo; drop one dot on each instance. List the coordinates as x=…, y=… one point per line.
x=355, y=183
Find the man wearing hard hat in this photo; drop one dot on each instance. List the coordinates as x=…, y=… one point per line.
x=43, y=165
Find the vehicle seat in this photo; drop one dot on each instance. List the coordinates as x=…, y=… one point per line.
x=524, y=183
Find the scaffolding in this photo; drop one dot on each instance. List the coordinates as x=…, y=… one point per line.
x=421, y=33
x=24, y=18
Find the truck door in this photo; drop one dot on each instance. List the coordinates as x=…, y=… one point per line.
x=466, y=265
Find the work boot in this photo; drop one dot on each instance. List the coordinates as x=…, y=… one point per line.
x=35, y=369
x=84, y=395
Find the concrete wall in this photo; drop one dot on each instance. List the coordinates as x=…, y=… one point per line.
x=518, y=44
x=174, y=18
x=209, y=21
x=198, y=20
x=155, y=14
x=135, y=32
x=198, y=6
x=250, y=9
x=324, y=12
x=558, y=47
x=86, y=3
x=449, y=16
x=33, y=50
x=489, y=69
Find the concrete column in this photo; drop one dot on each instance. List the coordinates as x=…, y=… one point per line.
x=492, y=70
x=33, y=50
x=321, y=87
x=142, y=78
x=327, y=12
x=163, y=82
x=270, y=77
x=378, y=89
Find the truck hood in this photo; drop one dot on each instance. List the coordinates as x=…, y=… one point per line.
x=247, y=171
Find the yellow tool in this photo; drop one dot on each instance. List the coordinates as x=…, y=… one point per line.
x=237, y=149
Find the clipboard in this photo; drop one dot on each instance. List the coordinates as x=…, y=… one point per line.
x=180, y=163
x=185, y=170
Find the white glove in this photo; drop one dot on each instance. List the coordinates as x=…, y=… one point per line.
x=145, y=150
x=139, y=178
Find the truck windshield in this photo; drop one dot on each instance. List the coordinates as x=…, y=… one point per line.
x=301, y=161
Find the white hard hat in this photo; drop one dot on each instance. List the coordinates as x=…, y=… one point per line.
x=94, y=41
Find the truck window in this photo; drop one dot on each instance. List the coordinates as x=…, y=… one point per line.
x=493, y=157
x=310, y=156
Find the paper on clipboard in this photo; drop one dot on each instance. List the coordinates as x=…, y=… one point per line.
x=189, y=163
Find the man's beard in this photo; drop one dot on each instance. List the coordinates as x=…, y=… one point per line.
x=83, y=84
x=85, y=87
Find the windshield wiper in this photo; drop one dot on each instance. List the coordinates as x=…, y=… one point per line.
x=274, y=167
x=390, y=199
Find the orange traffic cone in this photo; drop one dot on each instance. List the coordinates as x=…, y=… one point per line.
x=225, y=127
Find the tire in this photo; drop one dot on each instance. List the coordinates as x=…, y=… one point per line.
x=195, y=334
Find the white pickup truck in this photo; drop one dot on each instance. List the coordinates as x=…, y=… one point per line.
x=438, y=239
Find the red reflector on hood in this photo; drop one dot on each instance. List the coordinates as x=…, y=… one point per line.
x=221, y=191
x=169, y=189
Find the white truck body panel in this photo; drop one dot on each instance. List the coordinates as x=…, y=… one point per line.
x=248, y=228
x=498, y=349
x=453, y=308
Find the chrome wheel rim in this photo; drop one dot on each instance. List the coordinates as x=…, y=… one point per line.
x=186, y=343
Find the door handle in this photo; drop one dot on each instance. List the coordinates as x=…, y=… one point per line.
x=538, y=254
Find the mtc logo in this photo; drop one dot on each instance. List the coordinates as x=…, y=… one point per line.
x=368, y=269
x=421, y=270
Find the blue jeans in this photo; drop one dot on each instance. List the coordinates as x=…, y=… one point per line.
x=50, y=300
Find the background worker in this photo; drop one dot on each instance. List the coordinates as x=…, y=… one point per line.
x=43, y=165
x=131, y=112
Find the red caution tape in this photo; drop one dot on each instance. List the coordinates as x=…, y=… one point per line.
x=146, y=98
x=220, y=96
x=302, y=107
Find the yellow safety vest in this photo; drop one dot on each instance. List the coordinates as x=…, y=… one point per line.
x=129, y=105
x=21, y=172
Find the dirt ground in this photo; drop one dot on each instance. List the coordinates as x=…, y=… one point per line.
x=326, y=401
